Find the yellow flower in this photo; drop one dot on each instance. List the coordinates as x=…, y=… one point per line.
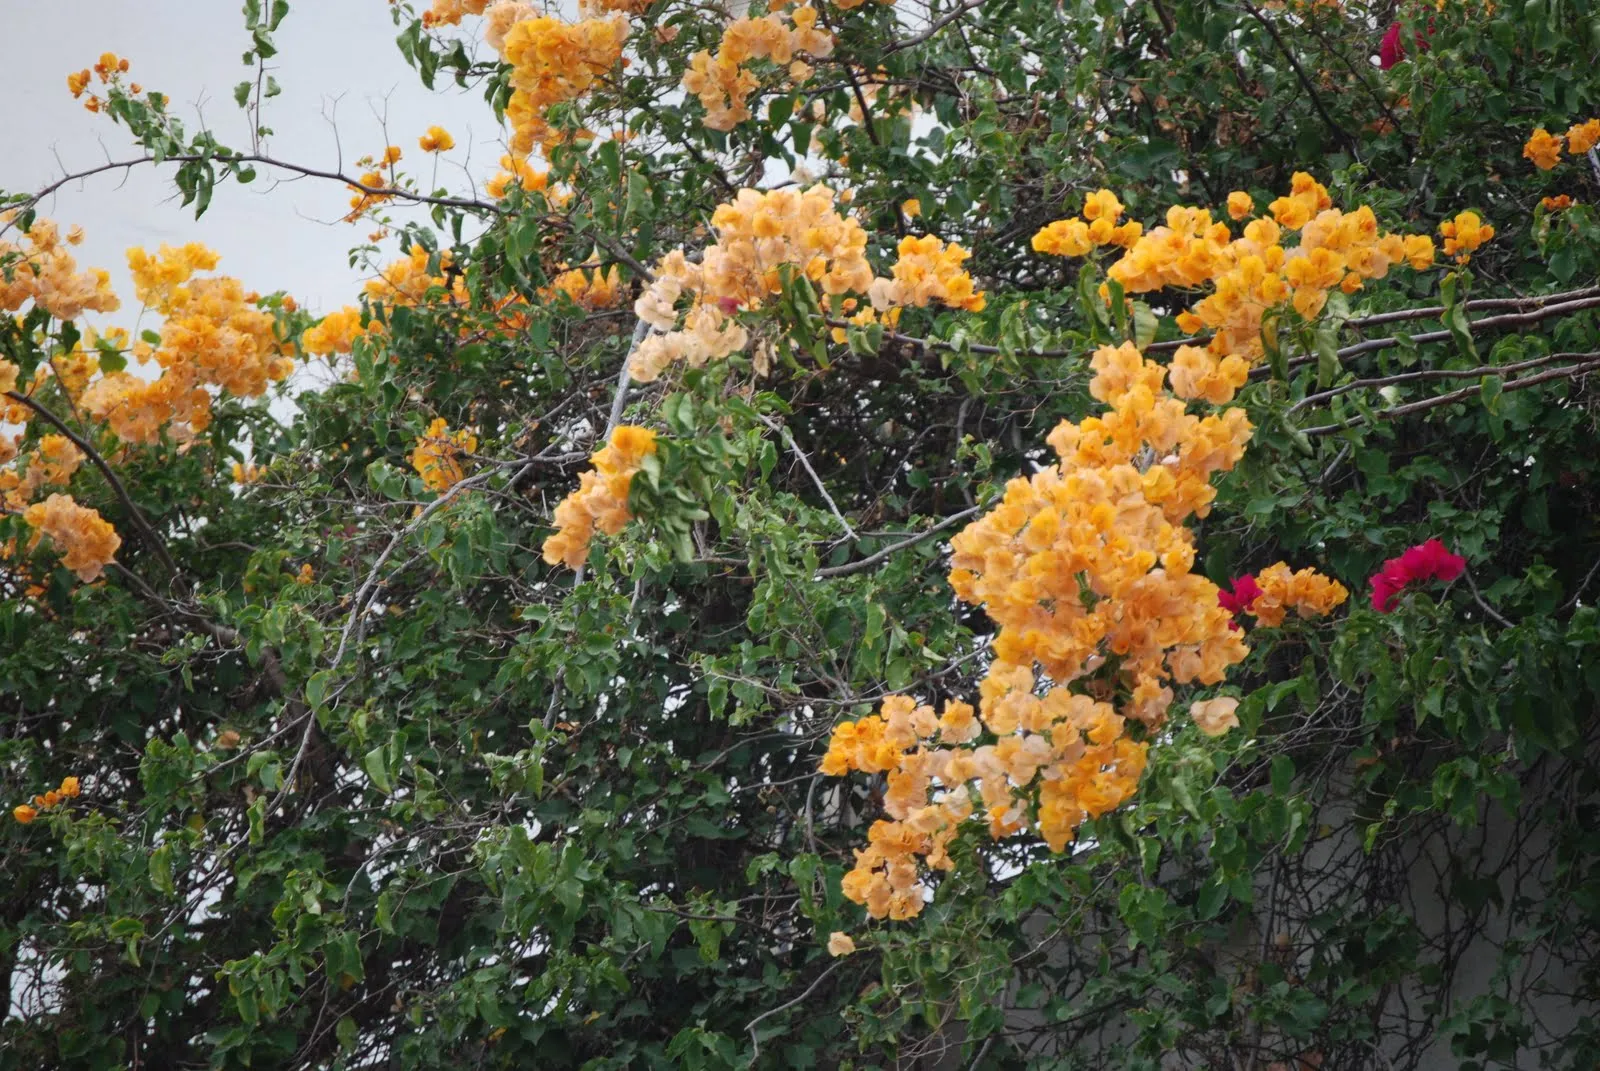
x=1543, y=148
x=840, y=944
x=600, y=502
x=1581, y=137
x=1240, y=204
x=1464, y=235
x=88, y=543
x=1102, y=204
x=437, y=139
x=1215, y=717
x=912, y=208
x=24, y=813
x=69, y=787
x=436, y=457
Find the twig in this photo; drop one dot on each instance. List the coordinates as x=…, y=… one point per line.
x=368, y=586
x=1520, y=319
x=873, y=559
x=1437, y=373
x=933, y=28
x=1477, y=597
x=1459, y=395
x=1427, y=312
x=750, y=1027
x=265, y=161
x=805, y=463
x=1305, y=80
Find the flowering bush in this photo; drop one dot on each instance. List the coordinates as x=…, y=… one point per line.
x=743, y=577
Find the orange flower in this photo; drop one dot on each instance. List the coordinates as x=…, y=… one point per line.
x=24, y=814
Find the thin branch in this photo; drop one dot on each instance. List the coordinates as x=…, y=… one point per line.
x=805, y=463
x=1305, y=80
x=1477, y=597
x=369, y=585
x=888, y=552
x=266, y=161
x=750, y=1027
x=933, y=28
x=1427, y=312
x=1458, y=396
x=1437, y=373
x=1520, y=319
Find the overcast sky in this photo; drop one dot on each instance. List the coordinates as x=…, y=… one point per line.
x=337, y=59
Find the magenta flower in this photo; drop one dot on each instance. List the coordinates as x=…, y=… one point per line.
x=1426, y=561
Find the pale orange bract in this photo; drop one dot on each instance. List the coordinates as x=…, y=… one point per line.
x=437, y=456
x=41, y=270
x=758, y=235
x=1248, y=276
x=600, y=502
x=87, y=542
x=554, y=62
x=1085, y=565
x=724, y=82
x=215, y=334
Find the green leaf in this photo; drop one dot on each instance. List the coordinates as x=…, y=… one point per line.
x=161, y=870
x=1144, y=325
x=1282, y=775
x=1490, y=391
x=375, y=763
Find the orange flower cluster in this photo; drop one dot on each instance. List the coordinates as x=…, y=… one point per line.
x=449, y=12
x=927, y=270
x=26, y=813
x=50, y=462
x=1097, y=226
x=247, y=472
x=520, y=172
x=1249, y=276
x=601, y=499
x=1463, y=235
x=87, y=541
x=437, y=455
x=724, y=82
x=589, y=290
x=55, y=458
x=337, y=332
x=408, y=280
x=553, y=62
x=41, y=270
x=1305, y=591
x=1544, y=148
x=107, y=67
x=216, y=334
x=1087, y=569
x=374, y=181
x=758, y=234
